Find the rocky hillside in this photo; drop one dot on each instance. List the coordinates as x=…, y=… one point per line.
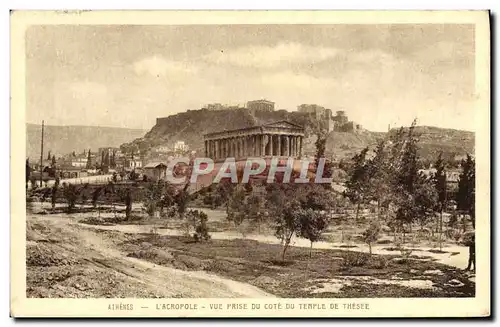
x=452, y=142
x=190, y=127
x=66, y=139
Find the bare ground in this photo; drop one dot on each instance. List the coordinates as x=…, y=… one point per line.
x=70, y=259
x=65, y=259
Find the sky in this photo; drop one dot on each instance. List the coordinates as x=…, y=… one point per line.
x=128, y=75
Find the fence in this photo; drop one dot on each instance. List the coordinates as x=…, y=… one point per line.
x=97, y=179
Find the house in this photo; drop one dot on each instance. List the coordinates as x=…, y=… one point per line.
x=155, y=171
x=132, y=163
x=80, y=161
x=180, y=146
x=67, y=171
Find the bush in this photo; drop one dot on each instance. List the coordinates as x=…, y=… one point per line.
x=380, y=262
x=371, y=234
x=355, y=259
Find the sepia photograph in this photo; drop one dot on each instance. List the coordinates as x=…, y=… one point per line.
x=277, y=164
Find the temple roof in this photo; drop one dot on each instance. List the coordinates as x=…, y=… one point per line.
x=278, y=127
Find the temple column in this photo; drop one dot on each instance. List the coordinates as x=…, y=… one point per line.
x=292, y=146
x=297, y=146
x=237, y=141
x=223, y=148
x=254, y=145
x=216, y=149
x=271, y=140
x=259, y=145
x=300, y=146
x=278, y=150
x=286, y=145
x=250, y=146
x=233, y=147
x=243, y=146
x=263, y=145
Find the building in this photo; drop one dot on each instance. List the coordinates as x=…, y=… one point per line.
x=110, y=150
x=161, y=149
x=132, y=163
x=180, y=146
x=80, y=161
x=155, y=171
x=260, y=105
x=216, y=106
x=340, y=118
x=313, y=109
x=280, y=138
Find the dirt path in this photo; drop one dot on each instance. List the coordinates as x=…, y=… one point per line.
x=100, y=250
x=455, y=256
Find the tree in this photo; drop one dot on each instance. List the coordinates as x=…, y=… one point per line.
x=181, y=200
x=320, y=145
x=202, y=229
x=152, y=197
x=439, y=181
x=312, y=224
x=236, y=208
x=84, y=193
x=466, y=195
x=132, y=175
x=425, y=199
x=53, y=161
x=70, y=193
x=371, y=234
x=405, y=160
x=95, y=197
x=49, y=156
x=287, y=222
x=89, y=161
x=167, y=198
x=379, y=177
x=28, y=171
x=198, y=220
x=357, y=184
x=254, y=210
x=126, y=197
x=222, y=193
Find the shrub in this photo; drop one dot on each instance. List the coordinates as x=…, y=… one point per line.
x=355, y=259
x=371, y=234
x=405, y=255
x=70, y=193
x=380, y=262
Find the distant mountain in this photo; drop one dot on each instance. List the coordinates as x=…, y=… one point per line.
x=66, y=139
x=190, y=126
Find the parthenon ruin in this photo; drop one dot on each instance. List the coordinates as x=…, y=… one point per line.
x=282, y=139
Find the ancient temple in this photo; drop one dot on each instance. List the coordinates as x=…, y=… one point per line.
x=282, y=139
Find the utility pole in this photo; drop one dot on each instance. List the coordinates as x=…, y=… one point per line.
x=41, y=159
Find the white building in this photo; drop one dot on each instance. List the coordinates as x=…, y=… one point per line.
x=180, y=146
x=79, y=162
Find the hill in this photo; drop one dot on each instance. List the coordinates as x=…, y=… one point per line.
x=65, y=139
x=190, y=127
